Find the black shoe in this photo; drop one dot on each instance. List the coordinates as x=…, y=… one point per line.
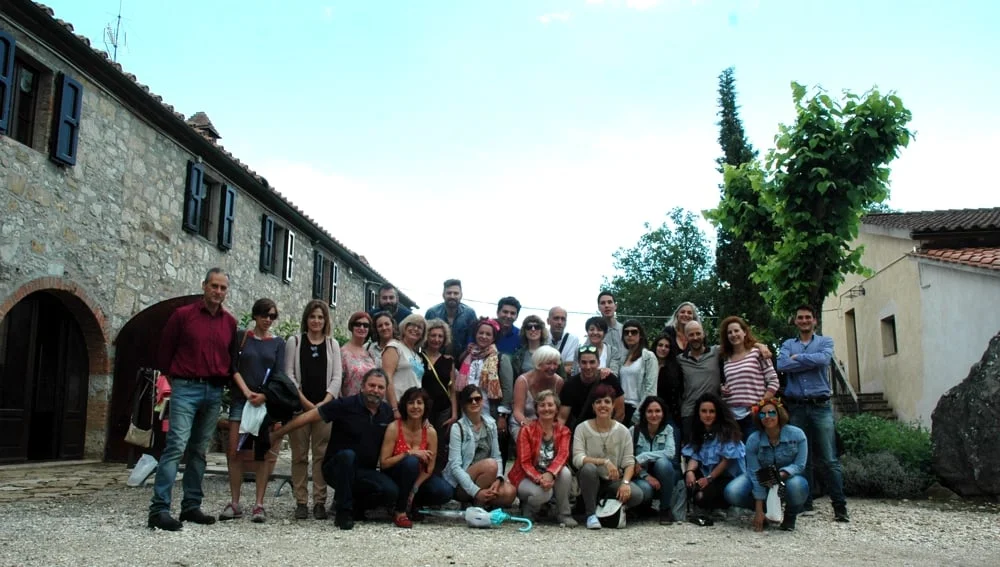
x=840, y=513
x=344, y=520
x=788, y=523
x=301, y=511
x=163, y=521
x=319, y=511
x=197, y=516
x=667, y=517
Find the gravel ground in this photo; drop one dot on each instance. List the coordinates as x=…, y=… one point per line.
x=108, y=528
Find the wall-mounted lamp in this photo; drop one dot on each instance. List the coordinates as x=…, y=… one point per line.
x=856, y=291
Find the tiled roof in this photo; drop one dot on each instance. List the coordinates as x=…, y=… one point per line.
x=169, y=108
x=953, y=220
x=988, y=258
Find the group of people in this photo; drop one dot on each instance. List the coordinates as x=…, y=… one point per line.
x=413, y=412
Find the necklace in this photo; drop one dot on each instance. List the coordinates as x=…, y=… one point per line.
x=604, y=435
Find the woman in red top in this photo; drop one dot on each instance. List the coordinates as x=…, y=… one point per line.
x=541, y=467
x=408, y=453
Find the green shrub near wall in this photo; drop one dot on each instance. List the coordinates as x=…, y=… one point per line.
x=884, y=458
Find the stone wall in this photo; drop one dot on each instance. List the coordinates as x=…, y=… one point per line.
x=111, y=225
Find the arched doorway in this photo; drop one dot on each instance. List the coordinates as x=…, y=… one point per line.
x=43, y=381
x=136, y=347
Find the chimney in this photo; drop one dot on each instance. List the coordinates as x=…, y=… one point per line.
x=200, y=122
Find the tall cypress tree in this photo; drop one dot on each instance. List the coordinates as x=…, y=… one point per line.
x=740, y=295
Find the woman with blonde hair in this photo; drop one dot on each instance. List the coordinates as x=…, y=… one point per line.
x=400, y=361
x=542, y=465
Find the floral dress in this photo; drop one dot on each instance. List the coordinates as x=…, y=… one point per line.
x=355, y=367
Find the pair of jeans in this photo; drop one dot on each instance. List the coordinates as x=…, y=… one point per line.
x=434, y=491
x=816, y=420
x=663, y=471
x=533, y=496
x=740, y=493
x=593, y=487
x=368, y=487
x=194, y=416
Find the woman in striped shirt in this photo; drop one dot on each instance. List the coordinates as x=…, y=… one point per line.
x=748, y=376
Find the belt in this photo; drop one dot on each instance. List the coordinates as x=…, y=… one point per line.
x=816, y=400
x=200, y=379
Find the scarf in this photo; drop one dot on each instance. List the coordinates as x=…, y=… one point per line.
x=489, y=379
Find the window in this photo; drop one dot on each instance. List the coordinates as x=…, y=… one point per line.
x=326, y=278
x=371, y=299
x=66, y=133
x=209, y=207
x=227, y=217
x=889, y=335
x=7, y=82
x=24, y=101
x=194, y=197
x=277, y=248
x=209, y=192
x=27, y=106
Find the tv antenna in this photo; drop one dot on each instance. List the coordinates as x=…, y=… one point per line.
x=115, y=37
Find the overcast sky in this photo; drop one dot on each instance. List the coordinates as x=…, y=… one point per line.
x=515, y=144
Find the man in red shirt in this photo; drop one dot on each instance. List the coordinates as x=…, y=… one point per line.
x=198, y=351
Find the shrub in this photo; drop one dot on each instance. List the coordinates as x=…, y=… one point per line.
x=881, y=475
x=867, y=434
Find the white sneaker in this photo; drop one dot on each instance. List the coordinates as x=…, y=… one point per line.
x=593, y=523
x=144, y=468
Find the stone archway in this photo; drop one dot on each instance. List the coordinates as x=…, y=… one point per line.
x=136, y=347
x=53, y=346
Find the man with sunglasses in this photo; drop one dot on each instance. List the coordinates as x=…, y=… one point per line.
x=198, y=351
x=805, y=360
x=577, y=402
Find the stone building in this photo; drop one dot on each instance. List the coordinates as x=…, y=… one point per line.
x=114, y=206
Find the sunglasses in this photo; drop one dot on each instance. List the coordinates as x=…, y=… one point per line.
x=362, y=325
x=770, y=413
x=532, y=327
x=630, y=332
x=588, y=348
x=476, y=400
x=271, y=316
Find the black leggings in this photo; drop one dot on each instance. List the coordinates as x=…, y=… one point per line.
x=711, y=497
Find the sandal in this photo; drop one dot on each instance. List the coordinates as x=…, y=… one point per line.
x=402, y=521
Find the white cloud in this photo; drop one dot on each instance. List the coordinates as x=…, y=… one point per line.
x=554, y=17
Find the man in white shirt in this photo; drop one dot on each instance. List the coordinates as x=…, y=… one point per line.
x=564, y=342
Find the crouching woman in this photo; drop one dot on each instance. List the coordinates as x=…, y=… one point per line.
x=474, y=455
x=776, y=452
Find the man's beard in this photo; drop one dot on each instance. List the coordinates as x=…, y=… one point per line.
x=373, y=399
x=391, y=308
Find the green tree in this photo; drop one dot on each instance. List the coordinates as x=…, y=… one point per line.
x=800, y=211
x=742, y=295
x=669, y=264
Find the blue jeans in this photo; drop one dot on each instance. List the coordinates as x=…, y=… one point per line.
x=347, y=479
x=433, y=492
x=740, y=493
x=194, y=415
x=816, y=420
x=663, y=471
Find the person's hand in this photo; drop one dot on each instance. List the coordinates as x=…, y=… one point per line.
x=274, y=438
x=724, y=389
x=308, y=406
x=502, y=424
x=547, y=481
x=758, y=521
x=764, y=351
x=702, y=482
x=689, y=479
x=448, y=422
x=605, y=372
x=653, y=482
x=485, y=496
x=256, y=399
x=613, y=473
x=422, y=455
x=624, y=491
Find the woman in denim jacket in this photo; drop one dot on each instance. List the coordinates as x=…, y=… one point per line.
x=776, y=452
x=474, y=455
x=653, y=441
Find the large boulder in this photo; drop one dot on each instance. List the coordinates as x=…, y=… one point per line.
x=965, y=429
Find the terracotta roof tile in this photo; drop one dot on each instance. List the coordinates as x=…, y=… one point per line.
x=988, y=258
x=168, y=107
x=952, y=220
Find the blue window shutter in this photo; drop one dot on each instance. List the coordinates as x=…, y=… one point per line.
x=317, y=274
x=227, y=215
x=6, y=79
x=194, y=192
x=267, y=244
x=67, y=124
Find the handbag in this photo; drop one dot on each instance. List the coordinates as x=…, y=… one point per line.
x=773, y=505
x=611, y=513
x=136, y=435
